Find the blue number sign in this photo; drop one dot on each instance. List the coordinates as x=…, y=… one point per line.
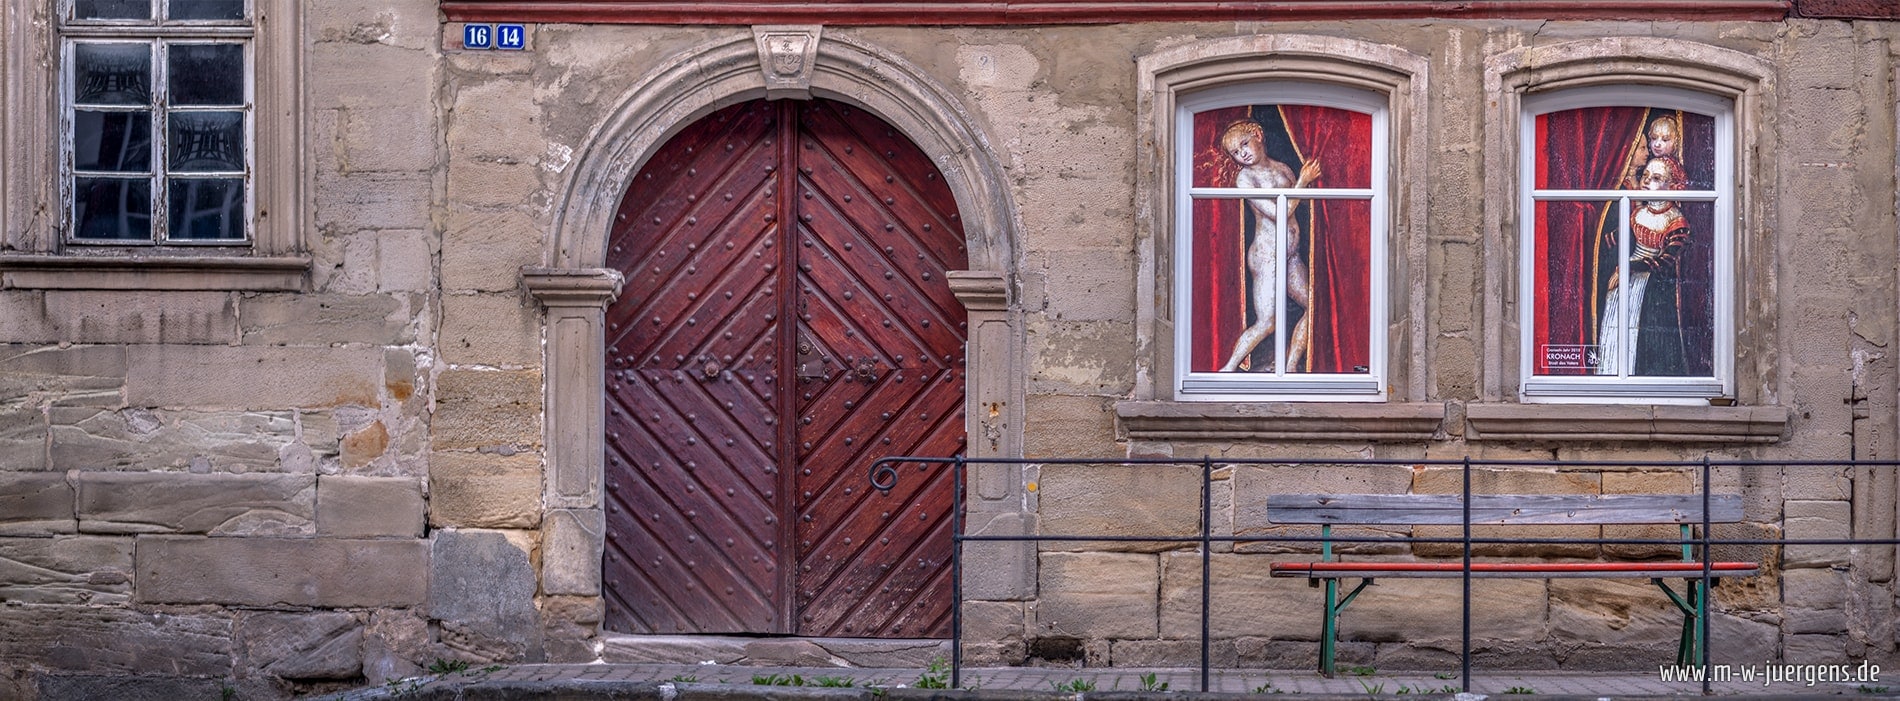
x=513, y=37
x=477, y=36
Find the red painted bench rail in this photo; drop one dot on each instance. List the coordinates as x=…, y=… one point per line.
x=1350, y=569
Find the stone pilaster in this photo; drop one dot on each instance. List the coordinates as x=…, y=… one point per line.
x=996, y=505
x=576, y=300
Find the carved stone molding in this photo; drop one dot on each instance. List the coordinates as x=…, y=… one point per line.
x=787, y=54
x=980, y=290
x=1168, y=420
x=143, y=272
x=572, y=287
x=1660, y=423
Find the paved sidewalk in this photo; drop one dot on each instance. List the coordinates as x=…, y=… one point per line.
x=715, y=681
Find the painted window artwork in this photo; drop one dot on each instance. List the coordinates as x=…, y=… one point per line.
x=1624, y=252
x=1282, y=226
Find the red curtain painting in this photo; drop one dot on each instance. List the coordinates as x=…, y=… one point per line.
x=1218, y=277
x=1584, y=149
x=1339, y=240
x=1335, y=236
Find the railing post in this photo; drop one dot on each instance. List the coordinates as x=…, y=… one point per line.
x=1464, y=651
x=956, y=575
x=1207, y=562
x=1702, y=602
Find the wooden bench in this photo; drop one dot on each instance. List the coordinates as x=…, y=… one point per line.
x=1328, y=510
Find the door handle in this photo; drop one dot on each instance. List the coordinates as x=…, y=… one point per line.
x=865, y=370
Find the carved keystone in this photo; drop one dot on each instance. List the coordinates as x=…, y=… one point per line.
x=787, y=54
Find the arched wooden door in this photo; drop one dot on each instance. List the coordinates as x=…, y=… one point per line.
x=785, y=321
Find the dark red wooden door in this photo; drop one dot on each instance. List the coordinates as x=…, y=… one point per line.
x=786, y=321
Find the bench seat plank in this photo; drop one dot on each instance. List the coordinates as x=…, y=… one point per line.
x=1500, y=509
x=1537, y=570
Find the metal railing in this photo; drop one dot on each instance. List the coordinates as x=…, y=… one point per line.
x=884, y=476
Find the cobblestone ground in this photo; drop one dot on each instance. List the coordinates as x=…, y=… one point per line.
x=737, y=679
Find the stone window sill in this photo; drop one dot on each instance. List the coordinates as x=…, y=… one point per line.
x=1659, y=423
x=153, y=272
x=1164, y=420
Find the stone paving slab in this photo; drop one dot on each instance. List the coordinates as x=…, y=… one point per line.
x=688, y=682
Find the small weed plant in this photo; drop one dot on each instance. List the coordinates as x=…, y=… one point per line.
x=834, y=681
x=1148, y=683
x=1520, y=690
x=684, y=678
x=442, y=666
x=1076, y=685
x=936, y=676
x=1372, y=689
x=777, y=680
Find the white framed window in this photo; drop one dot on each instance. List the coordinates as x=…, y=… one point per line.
x=1280, y=238
x=1626, y=294
x=157, y=122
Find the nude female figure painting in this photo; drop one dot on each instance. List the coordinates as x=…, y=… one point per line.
x=1249, y=264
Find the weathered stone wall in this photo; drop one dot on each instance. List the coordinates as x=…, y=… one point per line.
x=275, y=491
x=232, y=487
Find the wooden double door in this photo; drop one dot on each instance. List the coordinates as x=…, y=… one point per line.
x=785, y=321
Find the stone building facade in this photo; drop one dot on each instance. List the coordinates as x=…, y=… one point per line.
x=365, y=431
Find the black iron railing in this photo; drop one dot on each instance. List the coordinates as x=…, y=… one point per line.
x=884, y=475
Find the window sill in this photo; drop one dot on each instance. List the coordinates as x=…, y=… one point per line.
x=147, y=272
x=1164, y=420
x=1660, y=423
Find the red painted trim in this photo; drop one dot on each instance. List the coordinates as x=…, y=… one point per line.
x=996, y=12
x=1510, y=566
x=1848, y=9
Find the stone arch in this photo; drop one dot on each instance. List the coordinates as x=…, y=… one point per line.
x=575, y=287
x=728, y=71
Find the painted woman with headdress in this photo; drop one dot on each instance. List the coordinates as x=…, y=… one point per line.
x=1643, y=313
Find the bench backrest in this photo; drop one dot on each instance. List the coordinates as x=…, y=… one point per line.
x=1500, y=509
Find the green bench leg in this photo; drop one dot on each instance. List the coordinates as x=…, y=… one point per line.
x=1691, y=603
x=1329, y=625
x=1328, y=630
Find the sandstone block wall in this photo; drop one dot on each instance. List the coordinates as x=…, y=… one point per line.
x=205, y=490
x=283, y=491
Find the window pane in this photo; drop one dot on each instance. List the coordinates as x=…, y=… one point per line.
x=1606, y=148
x=112, y=74
x=207, y=209
x=1671, y=296
x=1574, y=258
x=112, y=209
x=207, y=74
x=1274, y=145
x=112, y=141
x=207, y=142
x=112, y=9
x=1328, y=287
x=207, y=9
